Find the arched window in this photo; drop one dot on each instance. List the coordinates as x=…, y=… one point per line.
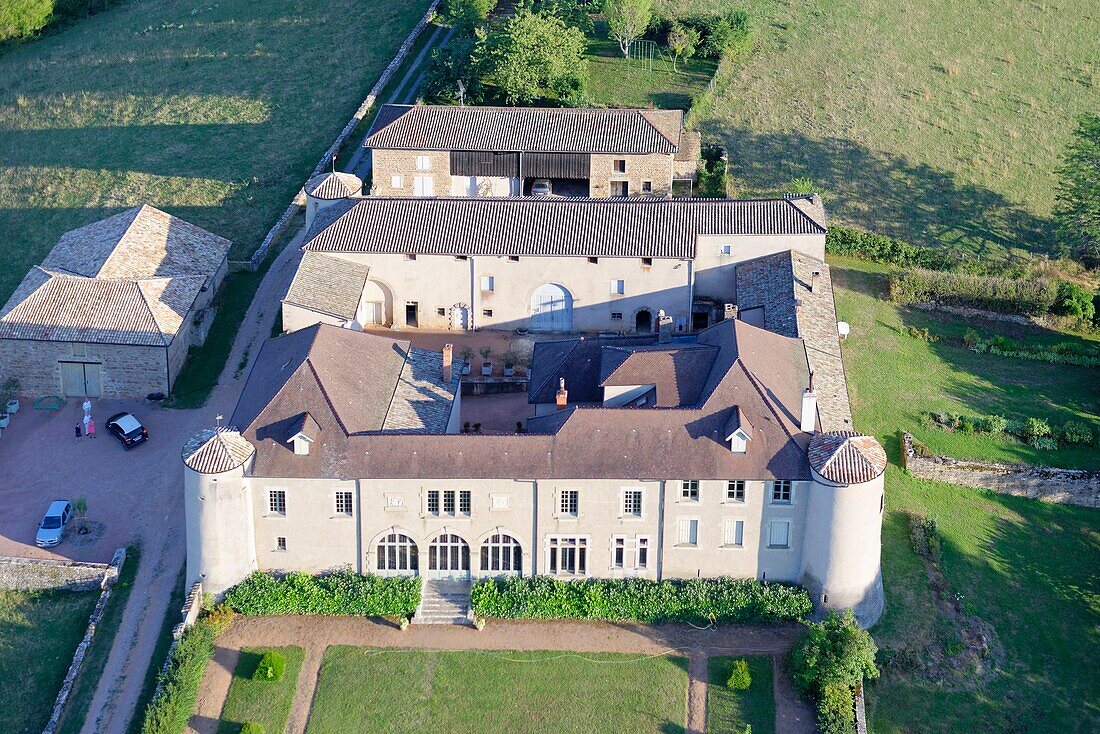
x=449, y=558
x=397, y=555
x=501, y=554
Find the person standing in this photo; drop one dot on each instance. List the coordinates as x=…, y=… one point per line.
x=91, y=427
x=78, y=433
x=87, y=406
x=87, y=420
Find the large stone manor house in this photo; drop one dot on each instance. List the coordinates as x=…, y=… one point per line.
x=688, y=417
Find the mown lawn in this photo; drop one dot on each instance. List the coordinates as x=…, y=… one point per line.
x=215, y=112
x=39, y=631
x=414, y=691
x=263, y=702
x=729, y=711
x=939, y=122
x=1028, y=568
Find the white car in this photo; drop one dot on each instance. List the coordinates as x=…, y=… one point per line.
x=541, y=187
x=53, y=524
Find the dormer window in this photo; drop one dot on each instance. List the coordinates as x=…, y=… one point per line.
x=738, y=431
x=303, y=431
x=301, y=444
x=738, y=441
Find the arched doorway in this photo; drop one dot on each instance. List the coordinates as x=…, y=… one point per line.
x=501, y=555
x=551, y=308
x=449, y=558
x=372, y=304
x=643, y=322
x=397, y=555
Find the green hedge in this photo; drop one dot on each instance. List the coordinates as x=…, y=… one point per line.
x=698, y=601
x=1005, y=295
x=880, y=248
x=343, y=592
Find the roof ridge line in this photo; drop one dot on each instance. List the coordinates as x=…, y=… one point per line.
x=397, y=383
x=764, y=397
x=560, y=362
x=149, y=308
x=324, y=393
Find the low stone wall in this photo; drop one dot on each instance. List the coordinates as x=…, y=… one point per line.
x=1066, y=486
x=108, y=576
x=861, y=711
x=40, y=573
x=493, y=386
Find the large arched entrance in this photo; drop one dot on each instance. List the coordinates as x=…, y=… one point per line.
x=643, y=322
x=501, y=555
x=449, y=558
x=373, y=304
x=397, y=555
x=551, y=308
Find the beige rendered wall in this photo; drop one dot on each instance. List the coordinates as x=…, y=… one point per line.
x=714, y=271
x=128, y=371
x=654, y=167
x=220, y=546
x=385, y=164
x=317, y=539
x=296, y=317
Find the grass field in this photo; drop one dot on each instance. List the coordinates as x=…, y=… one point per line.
x=263, y=702
x=728, y=711
x=39, y=630
x=76, y=710
x=1028, y=568
x=939, y=122
x=411, y=691
x=215, y=112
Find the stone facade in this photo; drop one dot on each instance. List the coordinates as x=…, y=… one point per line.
x=1065, y=486
x=127, y=371
x=653, y=168
x=35, y=573
x=395, y=172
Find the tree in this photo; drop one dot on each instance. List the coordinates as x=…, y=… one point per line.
x=836, y=653
x=531, y=56
x=452, y=68
x=466, y=15
x=1077, y=208
x=627, y=20
x=682, y=41
x=80, y=509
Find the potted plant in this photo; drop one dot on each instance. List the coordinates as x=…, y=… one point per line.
x=10, y=389
x=467, y=355
x=80, y=510
x=487, y=366
x=509, y=358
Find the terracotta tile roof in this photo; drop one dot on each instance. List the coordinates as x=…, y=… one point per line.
x=845, y=457
x=502, y=129
x=328, y=284
x=334, y=185
x=216, y=450
x=663, y=228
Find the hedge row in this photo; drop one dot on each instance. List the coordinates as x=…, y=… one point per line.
x=1035, y=431
x=1005, y=295
x=178, y=683
x=880, y=248
x=342, y=592
x=698, y=601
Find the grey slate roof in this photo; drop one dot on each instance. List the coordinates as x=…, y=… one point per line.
x=334, y=185
x=662, y=228
x=845, y=457
x=216, y=450
x=128, y=279
x=328, y=284
x=578, y=360
x=501, y=129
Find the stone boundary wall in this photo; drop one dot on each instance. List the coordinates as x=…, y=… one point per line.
x=1064, y=486
x=108, y=574
x=299, y=199
x=42, y=573
x=861, y=711
x=189, y=613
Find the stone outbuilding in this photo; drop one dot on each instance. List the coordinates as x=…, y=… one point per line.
x=114, y=307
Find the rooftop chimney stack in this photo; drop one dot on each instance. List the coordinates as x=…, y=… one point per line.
x=664, y=328
x=448, y=358
x=814, y=279
x=809, y=408
x=561, y=398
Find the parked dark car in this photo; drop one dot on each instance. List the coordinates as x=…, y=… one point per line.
x=127, y=430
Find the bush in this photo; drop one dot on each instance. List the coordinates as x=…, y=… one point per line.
x=1036, y=428
x=1006, y=295
x=740, y=679
x=23, y=19
x=836, y=713
x=880, y=248
x=178, y=683
x=343, y=592
x=465, y=15
x=1074, y=301
x=834, y=653
x=992, y=424
x=1075, y=432
x=252, y=727
x=698, y=601
x=270, y=667
x=1043, y=443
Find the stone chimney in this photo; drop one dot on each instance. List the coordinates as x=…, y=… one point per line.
x=664, y=328
x=814, y=280
x=561, y=398
x=448, y=358
x=809, y=408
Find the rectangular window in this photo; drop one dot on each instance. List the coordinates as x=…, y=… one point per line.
x=735, y=490
x=487, y=283
x=464, y=502
x=616, y=315
x=689, y=490
x=395, y=500
x=423, y=186
x=343, y=503
x=410, y=255
x=643, y=553
x=618, y=557
x=619, y=165
x=280, y=544
x=569, y=502
x=647, y=262
x=487, y=312
x=734, y=533
x=618, y=287
x=396, y=182
x=568, y=555
x=779, y=534
x=79, y=350
x=632, y=503
x=433, y=501
x=781, y=492
x=462, y=258
x=725, y=250
x=441, y=311
x=513, y=258
x=500, y=502
x=689, y=532
x=620, y=188
x=594, y=260
x=647, y=187
x=449, y=503
x=276, y=502
x=423, y=163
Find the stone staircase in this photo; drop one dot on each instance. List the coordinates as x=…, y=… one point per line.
x=443, y=602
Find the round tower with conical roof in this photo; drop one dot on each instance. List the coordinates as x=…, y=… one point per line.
x=221, y=545
x=326, y=189
x=841, y=557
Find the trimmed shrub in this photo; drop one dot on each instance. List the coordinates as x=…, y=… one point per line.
x=1005, y=295
x=880, y=248
x=834, y=653
x=270, y=667
x=178, y=683
x=698, y=601
x=252, y=727
x=836, y=712
x=992, y=424
x=1075, y=432
x=342, y=592
x=739, y=679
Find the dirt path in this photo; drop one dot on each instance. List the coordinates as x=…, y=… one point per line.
x=793, y=715
x=164, y=543
x=315, y=634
